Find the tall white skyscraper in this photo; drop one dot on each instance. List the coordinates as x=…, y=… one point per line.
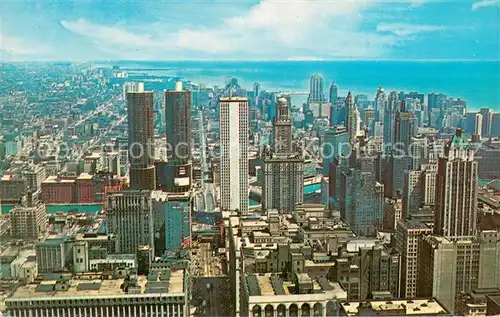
x=234, y=154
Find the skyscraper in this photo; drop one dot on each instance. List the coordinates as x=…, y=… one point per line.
x=234, y=153
x=405, y=129
x=447, y=267
x=361, y=201
x=130, y=219
x=487, y=120
x=380, y=104
x=316, y=89
x=351, y=120
x=178, y=118
x=333, y=93
x=175, y=175
x=408, y=235
x=412, y=191
x=390, y=117
x=283, y=185
x=140, y=110
x=456, y=189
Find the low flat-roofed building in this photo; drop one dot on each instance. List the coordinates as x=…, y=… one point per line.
x=474, y=303
x=404, y=307
x=492, y=305
x=113, y=261
x=269, y=295
x=93, y=294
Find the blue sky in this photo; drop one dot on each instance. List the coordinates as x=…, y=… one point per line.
x=249, y=30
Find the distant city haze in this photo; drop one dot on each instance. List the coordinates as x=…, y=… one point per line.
x=476, y=82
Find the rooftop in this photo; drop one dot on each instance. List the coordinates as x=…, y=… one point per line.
x=416, y=224
x=409, y=307
x=93, y=285
x=229, y=99
x=272, y=285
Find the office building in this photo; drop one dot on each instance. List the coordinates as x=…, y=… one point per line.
x=364, y=267
x=487, y=117
x=12, y=188
x=361, y=201
x=57, y=190
x=163, y=293
x=234, y=154
x=412, y=191
x=495, y=124
x=316, y=89
x=448, y=267
x=429, y=184
x=283, y=185
x=34, y=177
x=408, y=235
x=333, y=93
x=351, y=119
x=140, y=110
x=488, y=160
x=178, y=124
x=28, y=222
x=456, y=189
x=283, y=170
x=172, y=219
x=381, y=104
x=130, y=219
x=405, y=128
x=389, y=118
x=53, y=254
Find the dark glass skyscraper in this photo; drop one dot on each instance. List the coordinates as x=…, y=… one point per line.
x=140, y=108
x=178, y=117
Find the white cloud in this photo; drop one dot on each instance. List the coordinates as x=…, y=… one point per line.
x=19, y=49
x=109, y=35
x=271, y=29
x=16, y=46
x=403, y=29
x=484, y=3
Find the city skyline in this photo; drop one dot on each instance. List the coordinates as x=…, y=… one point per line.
x=255, y=30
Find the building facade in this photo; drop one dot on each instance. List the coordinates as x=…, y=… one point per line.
x=130, y=219
x=178, y=124
x=283, y=185
x=408, y=235
x=234, y=154
x=456, y=189
x=450, y=266
x=140, y=114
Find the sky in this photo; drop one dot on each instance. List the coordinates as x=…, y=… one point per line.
x=85, y=30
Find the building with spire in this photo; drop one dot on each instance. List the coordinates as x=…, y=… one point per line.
x=333, y=93
x=283, y=185
x=456, y=189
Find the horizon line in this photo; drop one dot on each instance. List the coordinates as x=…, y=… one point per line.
x=437, y=60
